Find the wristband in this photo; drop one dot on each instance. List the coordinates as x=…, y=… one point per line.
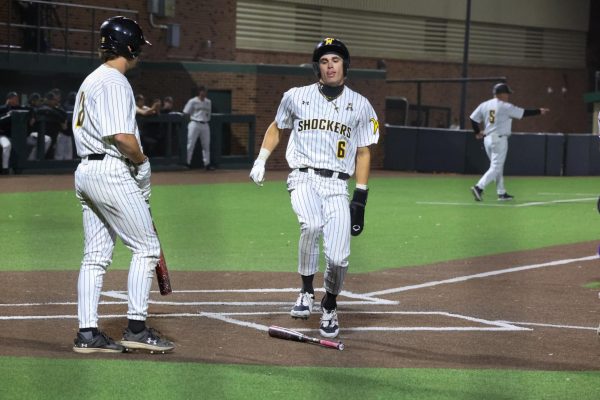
x=361, y=186
x=263, y=154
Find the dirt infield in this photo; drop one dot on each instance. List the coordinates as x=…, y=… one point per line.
x=524, y=310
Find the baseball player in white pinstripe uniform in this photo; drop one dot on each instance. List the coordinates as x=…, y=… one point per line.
x=112, y=183
x=199, y=108
x=332, y=129
x=496, y=116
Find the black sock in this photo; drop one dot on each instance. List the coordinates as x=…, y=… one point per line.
x=329, y=302
x=136, y=326
x=307, y=284
x=88, y=333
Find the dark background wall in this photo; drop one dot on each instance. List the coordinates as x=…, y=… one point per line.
x=208, y=55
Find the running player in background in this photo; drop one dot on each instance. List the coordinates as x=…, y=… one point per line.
x=112, y=183
x=332, y=129
x=496, y=116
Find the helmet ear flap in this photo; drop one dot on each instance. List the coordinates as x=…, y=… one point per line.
x=316, y=70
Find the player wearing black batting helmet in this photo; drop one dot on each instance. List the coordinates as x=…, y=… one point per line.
x=330, y=45
x=122, y=36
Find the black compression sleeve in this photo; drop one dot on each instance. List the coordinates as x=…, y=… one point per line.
x=531, y=112
x=475, y=126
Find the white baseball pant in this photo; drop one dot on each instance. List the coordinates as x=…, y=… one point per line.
x=6, y=146
x=113, y=206
x=198, y=130
x=322, y=207
x=64, y=147
x=496, y=148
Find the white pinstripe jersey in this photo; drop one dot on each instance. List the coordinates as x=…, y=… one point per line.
x=104, y=106
x=325, y=134
x=496, y=116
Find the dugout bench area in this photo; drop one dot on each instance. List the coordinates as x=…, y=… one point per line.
x=164, y=138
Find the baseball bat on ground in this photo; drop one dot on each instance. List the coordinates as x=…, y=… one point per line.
x=288, y=334
x=162, y=272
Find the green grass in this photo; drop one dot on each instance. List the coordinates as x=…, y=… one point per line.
x=102, y=379
x=220, y=227
x=239, y=227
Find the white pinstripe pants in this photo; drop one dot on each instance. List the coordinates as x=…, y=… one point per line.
x=113, y=206
x=322, y=207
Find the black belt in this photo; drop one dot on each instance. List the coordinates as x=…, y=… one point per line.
x=96, y=157
x=327, y=173
x=200, y=122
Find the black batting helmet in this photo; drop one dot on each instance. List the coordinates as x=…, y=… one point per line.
x=501, y=88
x=330, y=45
x=122, y=36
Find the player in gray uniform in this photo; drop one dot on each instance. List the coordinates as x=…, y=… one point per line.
x=496, y=116
x=112, y=183
x=332, y=129
x=199, y=109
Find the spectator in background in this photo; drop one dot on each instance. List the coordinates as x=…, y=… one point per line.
x=57, y=96
x=199, y=109
x=167, y=105
x=51, y=120
x=147, y=130
x=142, y=109
x=455, y=124
x=69, y=103
x=12, y=103
x=35, y=102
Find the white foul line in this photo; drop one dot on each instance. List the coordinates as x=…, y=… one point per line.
x=505, y=204
x=480, y=275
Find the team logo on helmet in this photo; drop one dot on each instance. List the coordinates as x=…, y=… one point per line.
x=328, y=40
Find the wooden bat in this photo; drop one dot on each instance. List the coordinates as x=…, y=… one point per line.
x=288, y=334
x=162, y=272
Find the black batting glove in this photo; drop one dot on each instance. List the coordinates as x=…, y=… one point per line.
x=357, y=211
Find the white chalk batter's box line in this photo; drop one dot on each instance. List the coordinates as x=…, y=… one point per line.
x=360, y=299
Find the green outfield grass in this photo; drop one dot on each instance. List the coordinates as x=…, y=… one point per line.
x=240, y=227
x=88, y=379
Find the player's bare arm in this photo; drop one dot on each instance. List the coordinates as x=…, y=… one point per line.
x=270, y=142
x=129, y=147
x=363, y=165
x=271, y=139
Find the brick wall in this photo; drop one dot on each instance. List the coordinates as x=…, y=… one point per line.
x=207, y=27
x=208, y=35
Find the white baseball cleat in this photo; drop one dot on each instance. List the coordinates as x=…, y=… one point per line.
x=329, y=323
x=303, y=306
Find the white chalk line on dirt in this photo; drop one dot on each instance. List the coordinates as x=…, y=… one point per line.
x=505, y=204
x=226, y=317
x=481, y=275
x=369, y=300
x=552, y=325
x=491, y=325
x=344, y=293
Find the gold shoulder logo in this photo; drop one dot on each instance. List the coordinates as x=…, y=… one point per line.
x=329, y=40
x=375, y=125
